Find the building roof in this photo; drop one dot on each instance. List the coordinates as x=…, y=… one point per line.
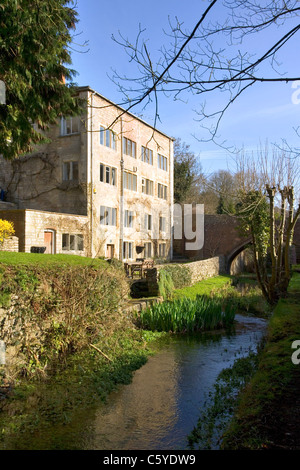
x=88, y=88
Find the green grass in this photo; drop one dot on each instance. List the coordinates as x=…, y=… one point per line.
x=37, y=259
x=204, y=287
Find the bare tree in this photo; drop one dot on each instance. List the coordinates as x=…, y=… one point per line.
x=215, y=56
x=269, y=207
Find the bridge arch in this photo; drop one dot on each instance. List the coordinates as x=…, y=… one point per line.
x=235, y=252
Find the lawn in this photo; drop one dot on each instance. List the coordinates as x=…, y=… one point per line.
x=38, y=259
x=204, y=287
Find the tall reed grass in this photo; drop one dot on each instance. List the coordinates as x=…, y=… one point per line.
x=187, y=315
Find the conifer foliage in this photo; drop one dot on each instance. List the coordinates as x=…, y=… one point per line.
x=35, y=39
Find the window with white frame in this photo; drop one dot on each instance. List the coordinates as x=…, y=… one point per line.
x=72, y=242
x=148, y=249
x=161, y=191
x=128, y=219
x=147, y=186
x=70, y=171
x=69, y=125
x=108, y=174
x=130, y=181
x=147, y=222
x=162, y=162
x=162, y=250
x=108, y=215
x=108, y=138
x=162, y=224
x=129, y=147
x=127, y=250
x=147, y=155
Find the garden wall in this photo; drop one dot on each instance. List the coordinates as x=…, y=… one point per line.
x=10, y=244
x=193, y=272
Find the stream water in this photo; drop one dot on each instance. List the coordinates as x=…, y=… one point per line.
x=164, y=401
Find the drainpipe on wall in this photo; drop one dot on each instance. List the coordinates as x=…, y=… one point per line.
x=121, y=198
x=171, y=195
x=91, y=179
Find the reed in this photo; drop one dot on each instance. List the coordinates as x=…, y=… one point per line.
x=188, y=315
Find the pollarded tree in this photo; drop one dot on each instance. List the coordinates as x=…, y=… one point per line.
x=269, y=206
x=34, y=63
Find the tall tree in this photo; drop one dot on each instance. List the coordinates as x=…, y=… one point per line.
x=34, y=63
x=187, y=171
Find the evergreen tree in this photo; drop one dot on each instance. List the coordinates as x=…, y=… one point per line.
x=34, y=60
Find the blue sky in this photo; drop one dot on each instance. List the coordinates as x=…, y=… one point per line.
x=264, y=112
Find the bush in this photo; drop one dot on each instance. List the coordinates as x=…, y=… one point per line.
x=6, y=230
x=57, y=311
x=180, y=275
x=165, y=285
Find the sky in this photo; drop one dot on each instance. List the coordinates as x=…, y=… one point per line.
x=265, y=112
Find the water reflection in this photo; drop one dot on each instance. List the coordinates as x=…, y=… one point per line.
x=163, y=402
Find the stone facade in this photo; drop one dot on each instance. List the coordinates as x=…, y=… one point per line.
x=96, y=166
x=33, y=227
x=10, y=244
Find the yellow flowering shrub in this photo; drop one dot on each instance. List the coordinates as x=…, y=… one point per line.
x=6, y=230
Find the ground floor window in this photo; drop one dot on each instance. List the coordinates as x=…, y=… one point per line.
x=127, y=250
x=72, y=242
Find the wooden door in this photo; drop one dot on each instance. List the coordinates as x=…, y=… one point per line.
x=48, y=240
x=110, y=249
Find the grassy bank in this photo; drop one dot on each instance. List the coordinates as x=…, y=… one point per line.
x=36, y=259
x=241, y=291
x=268, y=410
x=205, y=287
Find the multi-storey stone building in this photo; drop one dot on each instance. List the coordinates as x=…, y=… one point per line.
x=102, y=186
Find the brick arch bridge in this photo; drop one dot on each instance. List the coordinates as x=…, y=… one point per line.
x=222, y=237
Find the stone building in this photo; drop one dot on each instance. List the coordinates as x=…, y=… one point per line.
x=102, y=186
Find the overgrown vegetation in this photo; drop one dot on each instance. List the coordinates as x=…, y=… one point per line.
x=179, y=274
x=55, y=310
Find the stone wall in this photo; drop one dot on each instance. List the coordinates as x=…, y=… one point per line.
x=199, y=270
x=206, y=268
x=10, y=244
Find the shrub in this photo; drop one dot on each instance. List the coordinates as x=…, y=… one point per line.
x=180, y=275
x=6, y=230
x=59, y=310
x=165, y=285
